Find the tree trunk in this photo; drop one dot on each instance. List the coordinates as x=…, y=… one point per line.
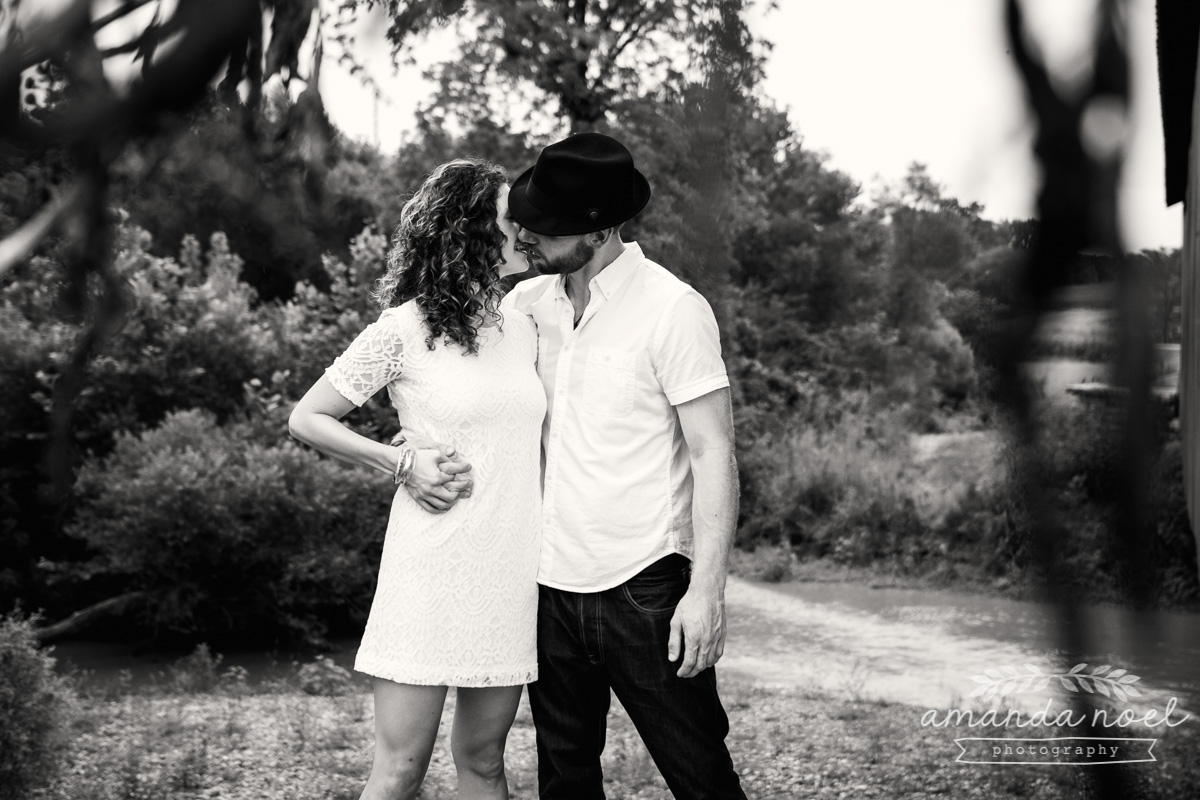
x=81, y=619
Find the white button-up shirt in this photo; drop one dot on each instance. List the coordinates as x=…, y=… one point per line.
x=617, y=482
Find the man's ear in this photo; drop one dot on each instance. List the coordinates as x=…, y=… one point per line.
x=600, y=237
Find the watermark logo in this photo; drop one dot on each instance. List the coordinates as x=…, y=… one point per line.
x=1009, y=680
x=1112, y=684
x=1055, y=750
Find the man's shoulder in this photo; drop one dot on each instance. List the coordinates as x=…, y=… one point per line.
x=670, y=302
x=663, y=287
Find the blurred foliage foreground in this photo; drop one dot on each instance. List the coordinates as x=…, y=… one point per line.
x=853, y=332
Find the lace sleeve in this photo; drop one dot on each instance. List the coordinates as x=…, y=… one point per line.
x=373, y=360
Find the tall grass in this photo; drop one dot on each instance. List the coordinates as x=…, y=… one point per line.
x=844, y=492
x=861, y=491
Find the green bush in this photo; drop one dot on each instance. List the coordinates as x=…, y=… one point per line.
x=323, y=677
x=1086, y=444
x=234, y=532
x=1080, y=481
x=770, y=563
x=194, y=337
x=833, y=491
x=36, y=706
x=194, y=334
x=196, y=672
x=989, y=531
x=26, y=518
x=996, y=275
x=1173, y=553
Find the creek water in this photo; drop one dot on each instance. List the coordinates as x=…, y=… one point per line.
x=104, y=662
x=1054, y=375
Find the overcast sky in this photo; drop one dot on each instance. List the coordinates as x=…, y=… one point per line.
x=878, y=84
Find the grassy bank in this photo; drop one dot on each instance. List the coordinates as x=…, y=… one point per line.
x=866, y=502
x=774, y=565
x=285, y=743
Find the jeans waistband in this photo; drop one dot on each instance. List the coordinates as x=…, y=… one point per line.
x=669, y=564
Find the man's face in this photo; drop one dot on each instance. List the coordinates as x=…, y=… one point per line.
x=555, y=255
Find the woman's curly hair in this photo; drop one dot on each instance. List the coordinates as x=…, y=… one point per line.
x=446, y=251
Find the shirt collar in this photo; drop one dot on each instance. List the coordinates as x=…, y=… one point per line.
x=614, y=275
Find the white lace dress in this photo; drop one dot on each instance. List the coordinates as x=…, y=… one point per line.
x=456, y=599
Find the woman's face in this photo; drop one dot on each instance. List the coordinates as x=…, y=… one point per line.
x=514, y=261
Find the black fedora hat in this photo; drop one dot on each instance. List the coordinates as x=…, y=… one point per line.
x=586, y=182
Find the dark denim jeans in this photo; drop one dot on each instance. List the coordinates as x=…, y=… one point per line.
x=617, y=639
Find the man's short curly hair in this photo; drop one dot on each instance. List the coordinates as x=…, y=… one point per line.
x=446, y=251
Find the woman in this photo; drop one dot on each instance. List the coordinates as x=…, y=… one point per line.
x=456, y=600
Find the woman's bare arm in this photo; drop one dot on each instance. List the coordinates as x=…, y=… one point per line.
x=315, y=420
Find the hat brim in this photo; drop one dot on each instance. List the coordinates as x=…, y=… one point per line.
x=545, y=223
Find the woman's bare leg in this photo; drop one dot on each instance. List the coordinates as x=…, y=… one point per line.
x=482, y=717
x=406, y=726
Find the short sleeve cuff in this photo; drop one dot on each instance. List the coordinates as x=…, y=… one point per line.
x=699, y=388
x=343, y=385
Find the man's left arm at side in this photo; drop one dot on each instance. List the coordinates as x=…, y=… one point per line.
x=698, y=624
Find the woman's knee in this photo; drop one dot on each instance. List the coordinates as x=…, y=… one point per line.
x=481, y=757
x=399, y=774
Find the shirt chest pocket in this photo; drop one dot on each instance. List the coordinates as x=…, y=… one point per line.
x=609, y=377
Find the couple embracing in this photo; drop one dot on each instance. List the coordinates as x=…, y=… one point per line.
x=569, y=475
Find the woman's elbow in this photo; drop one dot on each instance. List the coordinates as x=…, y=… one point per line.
x=297, y=424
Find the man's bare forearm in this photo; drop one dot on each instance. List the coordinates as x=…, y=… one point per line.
x=714, y=515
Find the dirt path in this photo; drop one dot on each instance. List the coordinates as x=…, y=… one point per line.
x=779, y=640
x=782, y=640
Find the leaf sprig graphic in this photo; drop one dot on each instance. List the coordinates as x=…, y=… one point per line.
x=1009, y=680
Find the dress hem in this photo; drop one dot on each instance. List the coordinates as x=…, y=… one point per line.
x=427, y=677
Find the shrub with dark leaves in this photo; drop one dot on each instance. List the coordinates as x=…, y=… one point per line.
x=35, y=709
x=233, y=534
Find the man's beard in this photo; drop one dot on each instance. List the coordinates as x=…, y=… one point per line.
x=573, y=261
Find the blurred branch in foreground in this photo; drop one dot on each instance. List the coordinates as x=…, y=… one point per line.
x=1079, y=147
x=91, y=122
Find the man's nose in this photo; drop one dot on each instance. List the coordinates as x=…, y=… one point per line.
x=525, y=236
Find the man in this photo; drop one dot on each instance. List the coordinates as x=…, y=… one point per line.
x=640, y=482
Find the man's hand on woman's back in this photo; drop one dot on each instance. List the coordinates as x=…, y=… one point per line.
x=441, y=481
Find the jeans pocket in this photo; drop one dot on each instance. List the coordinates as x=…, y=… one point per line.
x=655, y=596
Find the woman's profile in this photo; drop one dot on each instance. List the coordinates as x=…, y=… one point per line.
x=456, y=599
